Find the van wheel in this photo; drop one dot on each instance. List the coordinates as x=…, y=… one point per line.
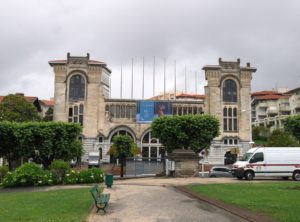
x=296, y=175
x=249, y=175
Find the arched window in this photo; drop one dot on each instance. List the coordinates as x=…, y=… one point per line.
x=229, y=91
x=77, y=88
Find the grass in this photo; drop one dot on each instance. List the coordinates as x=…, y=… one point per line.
x=57, y=206
x=278, y=200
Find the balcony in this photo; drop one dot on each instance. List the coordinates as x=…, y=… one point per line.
x=272, y=110
x=285, y=108
x=262, y=105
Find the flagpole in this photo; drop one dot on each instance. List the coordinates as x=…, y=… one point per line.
x=143, y=76
x=175, y=80
x=132, y=79
x=164, y=78
x=121, y=81
x=153, y=76
x=185, y=79
x=196, y=82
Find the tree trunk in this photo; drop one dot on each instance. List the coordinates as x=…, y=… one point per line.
x=122, y=167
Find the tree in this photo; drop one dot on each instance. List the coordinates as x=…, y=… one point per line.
x=122, y=147
x=16, y=108
x=260, y=135
x=9, y=145
x=292, y=125
x=42, y=141
x=48, y=115
x=193, y=132
x=281, y=138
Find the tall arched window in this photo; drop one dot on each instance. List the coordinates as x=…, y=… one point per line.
x=229, y=91
x=76, y=88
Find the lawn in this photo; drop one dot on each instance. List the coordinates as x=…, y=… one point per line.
x=278, y=200
x=55, y=206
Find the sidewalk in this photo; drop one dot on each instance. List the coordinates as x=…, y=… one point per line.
x=156, y=199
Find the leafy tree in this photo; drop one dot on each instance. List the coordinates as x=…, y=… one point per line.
x=46, y=141
x=16, y=108
x=42, y=141
x=48, y=115
x=260, y=135
x=122, y=147
x=9, y=145
x=193, y=132
x=292, y=125
x=281, y=138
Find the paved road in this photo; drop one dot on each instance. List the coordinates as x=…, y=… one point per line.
x=159, y=202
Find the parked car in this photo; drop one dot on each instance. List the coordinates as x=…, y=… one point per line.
x=220, y=171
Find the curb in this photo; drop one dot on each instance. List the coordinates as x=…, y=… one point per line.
x=241, y=212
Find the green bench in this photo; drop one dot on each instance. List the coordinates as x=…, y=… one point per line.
x=101, y=200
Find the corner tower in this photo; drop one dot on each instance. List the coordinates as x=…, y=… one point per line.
x=227, y=96
x=81, y=85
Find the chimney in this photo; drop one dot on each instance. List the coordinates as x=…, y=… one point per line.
x=248, y=64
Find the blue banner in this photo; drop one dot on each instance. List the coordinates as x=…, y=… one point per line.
x=148, y=110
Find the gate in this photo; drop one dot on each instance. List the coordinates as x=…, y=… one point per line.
x=137, y=167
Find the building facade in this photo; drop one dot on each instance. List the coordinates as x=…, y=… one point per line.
x=270, y=108
x=82, y=89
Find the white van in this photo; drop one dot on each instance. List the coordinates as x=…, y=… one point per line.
x=269, y=161
x=94, y=159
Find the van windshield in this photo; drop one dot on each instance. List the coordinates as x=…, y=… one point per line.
x=246, y=157
x=93, y=158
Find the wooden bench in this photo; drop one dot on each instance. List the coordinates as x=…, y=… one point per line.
x=101, y=200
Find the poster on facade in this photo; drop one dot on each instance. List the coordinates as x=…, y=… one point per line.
x=148, y=110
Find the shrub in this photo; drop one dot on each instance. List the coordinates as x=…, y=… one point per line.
x=98, y=175
x=281, y=138
x=26, y=175
x=3, y=172
x=93, y=175
x=59, y=168
x=71, y=177
x=45, y=178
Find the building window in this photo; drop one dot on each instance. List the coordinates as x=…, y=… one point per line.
x=230, y=141
x=152, y=150
x=76, y=114
x=230, y=119
x=76, y=88
x=229, y=91
x=100, y=139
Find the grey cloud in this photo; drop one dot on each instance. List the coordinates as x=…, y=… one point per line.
x=195, y=33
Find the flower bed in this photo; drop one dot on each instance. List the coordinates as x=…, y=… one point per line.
x=31, y=174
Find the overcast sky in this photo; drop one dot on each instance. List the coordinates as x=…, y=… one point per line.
x=192, y=32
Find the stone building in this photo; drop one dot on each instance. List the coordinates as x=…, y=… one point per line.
x=82, y=89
